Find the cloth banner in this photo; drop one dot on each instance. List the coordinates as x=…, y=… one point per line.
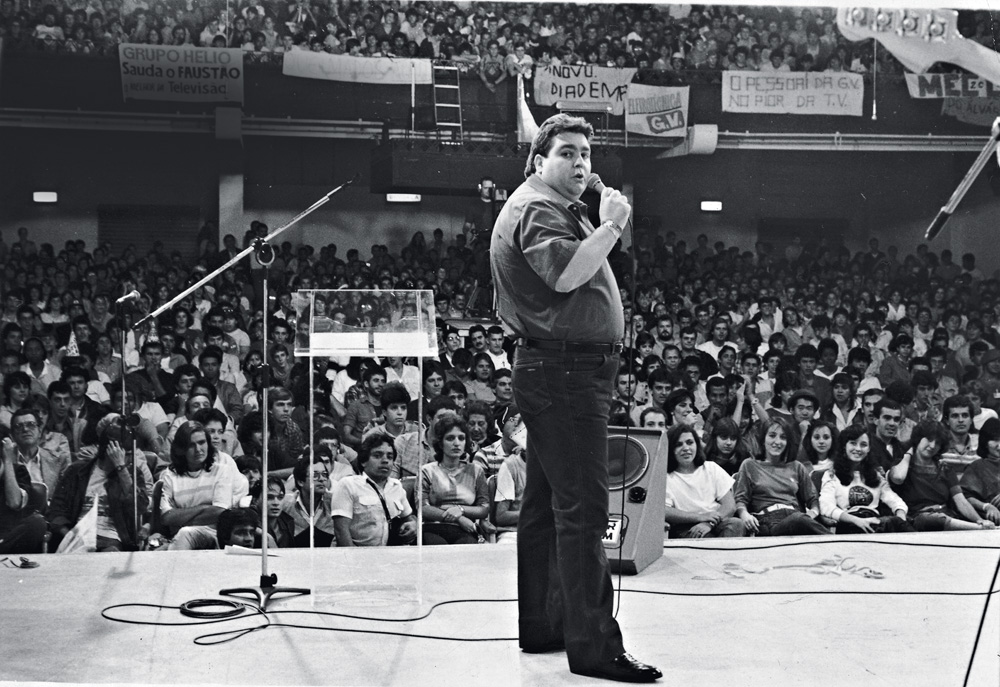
x=979, y=111
x=181, y=73
x=803, y=93
x=83, y=537
x=387, y=71
x=950, y=86
x=583, y=84
x=657, y=110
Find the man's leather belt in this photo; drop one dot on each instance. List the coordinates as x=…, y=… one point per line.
x=573, y=346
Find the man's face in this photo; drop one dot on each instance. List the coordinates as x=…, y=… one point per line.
x=375, y=384
x=665, y=330
x=887, y=423
x=807, y=365
x=624, y=384
x=77, y=387
x=380, y=461
x=751, y=367
x=478, y=429
x=959, y=420
x=282, y=410
x=828, y=358
x=60, y=405
x=478, y=340
x=655, y=421
x=209, y=368
x=720, y=332
x=567, y=165
x=321, y=479
x=717, y=397
x=503, y=389
x=395, y=414
x=804, y=410
x=34, y=352
x=692, y=373
x=26, y=432
x=279, y=334
x=868, y=407
x=153, y=357
x=688, y=340
x=671, y=359
x=496, y=344
x=243, y=535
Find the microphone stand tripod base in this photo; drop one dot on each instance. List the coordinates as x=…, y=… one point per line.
x=265, y=591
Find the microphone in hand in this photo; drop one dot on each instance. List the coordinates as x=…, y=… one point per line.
x=614, y=206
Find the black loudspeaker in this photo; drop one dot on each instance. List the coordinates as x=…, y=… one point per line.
x=637, y=468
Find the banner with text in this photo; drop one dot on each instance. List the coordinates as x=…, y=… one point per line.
x=950, y=86
x=583, y=84
x=980, y=111
x=803, y=93
x=181, y=72
x=657, y=110
x=391, y=71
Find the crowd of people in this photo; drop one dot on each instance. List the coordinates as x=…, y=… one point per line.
x=806, y=390
x=496, y=40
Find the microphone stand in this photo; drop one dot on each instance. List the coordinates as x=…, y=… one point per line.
x=267, y=588
x=944, y=214
x=120, y=307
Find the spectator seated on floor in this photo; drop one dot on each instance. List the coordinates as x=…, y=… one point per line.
x=102, y=489
x=196, y=488
x=981, y=479
x=699, y=493
x=21, y=530
x=454, y=489
x=930, y=487
x=371, y=509
x=310, y=508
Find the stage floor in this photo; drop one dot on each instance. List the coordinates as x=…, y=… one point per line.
x=720, y=612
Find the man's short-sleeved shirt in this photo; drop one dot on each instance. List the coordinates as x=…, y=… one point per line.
x=536, y=235
x=354, y=497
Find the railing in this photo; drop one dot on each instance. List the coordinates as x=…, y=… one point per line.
x=41, y=81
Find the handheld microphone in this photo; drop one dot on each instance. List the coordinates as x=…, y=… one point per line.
x=130, y=296
x=594, y=183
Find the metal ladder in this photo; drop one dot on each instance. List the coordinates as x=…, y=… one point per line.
x=447, y=98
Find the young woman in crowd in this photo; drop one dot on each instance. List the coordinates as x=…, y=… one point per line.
x=699, y=492
x=854, y=489
x=774, y=494
x=454, y=486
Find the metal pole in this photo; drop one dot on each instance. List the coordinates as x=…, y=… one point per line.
x=265, y=379
x=242, y=254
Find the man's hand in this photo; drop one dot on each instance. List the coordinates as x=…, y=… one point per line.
x=408, y=529
x=9, y=451
x=614, y=207
x=699, y=531
x=992, y=513
x=117, y=454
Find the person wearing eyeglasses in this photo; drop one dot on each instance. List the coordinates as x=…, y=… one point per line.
x=311, y=511
x=43, y=463
x=371, y=509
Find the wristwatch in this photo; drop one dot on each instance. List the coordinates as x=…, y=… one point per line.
x=613, y=226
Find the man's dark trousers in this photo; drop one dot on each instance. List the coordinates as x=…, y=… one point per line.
x=564, y=581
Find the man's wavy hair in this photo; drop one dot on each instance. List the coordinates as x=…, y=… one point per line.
x=550, y=128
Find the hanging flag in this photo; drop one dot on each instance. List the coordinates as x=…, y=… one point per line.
x=919, y=38
x=526, y=126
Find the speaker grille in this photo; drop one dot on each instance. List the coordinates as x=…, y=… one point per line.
x=628, y=461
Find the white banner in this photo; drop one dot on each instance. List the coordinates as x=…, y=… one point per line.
x=182, y=73
x=950, y=86
x=389, y=71
x=657, y=110
x=804, y=93
x=583, y=84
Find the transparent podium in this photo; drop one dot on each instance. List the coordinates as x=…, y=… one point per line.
x=370, y=324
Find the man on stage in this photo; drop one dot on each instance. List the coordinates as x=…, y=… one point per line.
x=556, y=291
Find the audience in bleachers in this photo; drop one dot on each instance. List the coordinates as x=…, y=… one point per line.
x=497, y=41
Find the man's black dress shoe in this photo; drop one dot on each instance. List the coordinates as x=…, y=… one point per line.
x=623, y=669
x=544, y=647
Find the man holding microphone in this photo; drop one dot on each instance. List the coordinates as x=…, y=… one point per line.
x=556, y=291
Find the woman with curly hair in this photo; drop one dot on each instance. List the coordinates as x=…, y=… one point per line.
x=454, y=487
x=852, y=491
